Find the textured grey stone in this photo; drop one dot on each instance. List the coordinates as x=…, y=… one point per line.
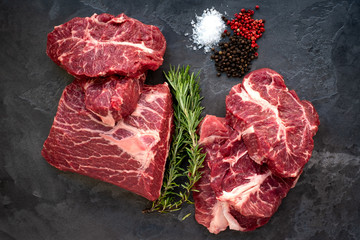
x=315, y=45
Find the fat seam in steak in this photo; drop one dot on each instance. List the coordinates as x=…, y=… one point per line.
x=214, y=213
x=113, y=98
x=131, y=155
x=103, y=45
x=277, y=127
x=217, y=215
x=248, y=187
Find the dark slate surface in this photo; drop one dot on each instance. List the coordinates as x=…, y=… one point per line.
x=315, y=45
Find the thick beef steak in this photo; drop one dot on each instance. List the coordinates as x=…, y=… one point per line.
x=217, y=215
x=112, y=98
x=248, y=187
x=103, y=45
x=131, y=155
x=214, y=213
x=276, y=126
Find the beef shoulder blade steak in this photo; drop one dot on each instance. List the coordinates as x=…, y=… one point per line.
x=216, y=215
x=131, y=155
x=248, y=187
x=103, y=45
x=277, y=127
x=112, y=98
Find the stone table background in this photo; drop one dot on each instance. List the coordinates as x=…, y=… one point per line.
x=315, y=45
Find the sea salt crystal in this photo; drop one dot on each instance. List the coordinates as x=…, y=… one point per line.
x=207, y=29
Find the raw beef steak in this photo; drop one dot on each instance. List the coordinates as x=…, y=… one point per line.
x=112, y=98
x=131, y=155
x=215, y=214
x=276, y=126
x=102, y=45
x=248, y=187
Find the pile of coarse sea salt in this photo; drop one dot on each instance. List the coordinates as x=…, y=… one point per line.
x=207, y=30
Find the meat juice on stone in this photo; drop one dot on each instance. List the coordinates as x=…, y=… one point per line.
x=132, y=154
x=103, y=45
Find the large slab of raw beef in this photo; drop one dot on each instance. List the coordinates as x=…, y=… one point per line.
x=277, y=127
x=131, y=154
x=112, y=98
x=103, y=45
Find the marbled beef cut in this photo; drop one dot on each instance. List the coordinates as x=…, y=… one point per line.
x=103, y=45
x=251, y=189
x=132, y=154
x=277, y=127
x=214, y=213
x=218, y=215
x=112, y=98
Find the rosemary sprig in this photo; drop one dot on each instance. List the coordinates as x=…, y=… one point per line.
x=187, y=110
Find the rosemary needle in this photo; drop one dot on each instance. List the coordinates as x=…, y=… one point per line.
x=187, y=110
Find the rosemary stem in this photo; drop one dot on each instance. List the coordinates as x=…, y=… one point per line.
x=184, y=147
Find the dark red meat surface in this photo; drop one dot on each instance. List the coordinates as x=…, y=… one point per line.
x=103, y=45
x=255, y=155
x=276, y=126
x=131, y=154
x=112, y=98
x=214, y=213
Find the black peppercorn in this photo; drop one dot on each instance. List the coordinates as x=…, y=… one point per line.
x=234, y=56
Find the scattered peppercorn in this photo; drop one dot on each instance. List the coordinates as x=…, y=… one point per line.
x=235, y=56
x=243, y=24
